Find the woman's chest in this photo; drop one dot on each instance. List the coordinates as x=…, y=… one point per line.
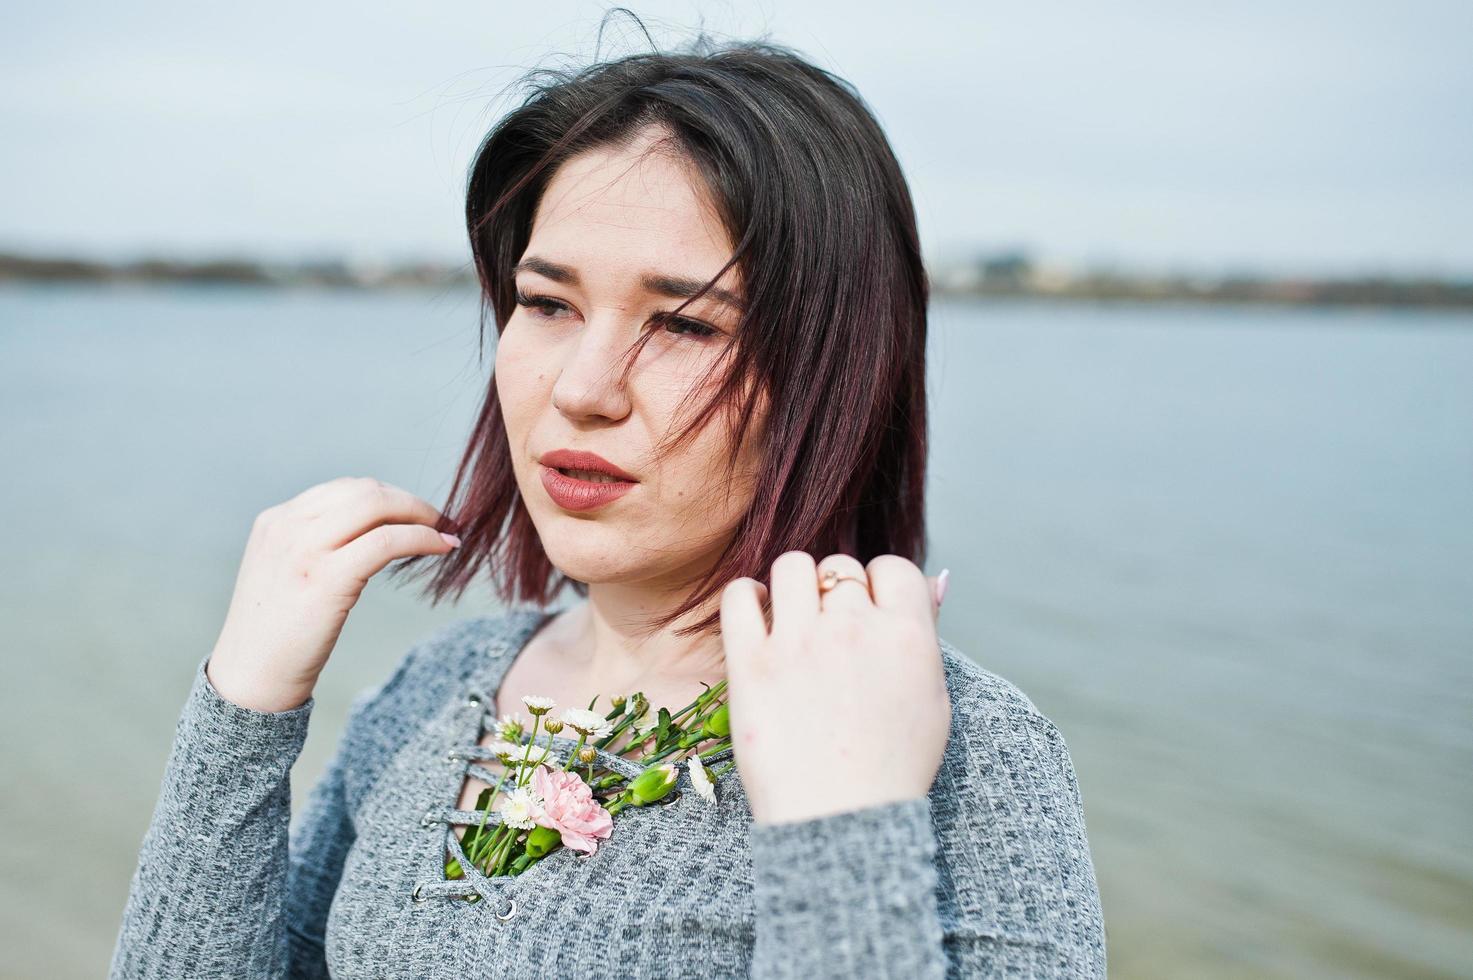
x=669, y=892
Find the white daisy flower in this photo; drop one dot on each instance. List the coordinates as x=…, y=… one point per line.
x=509, y=725
x=538, y=705
x=586, y=722
x=502, y=747
x=701, y=780
x=520, y=808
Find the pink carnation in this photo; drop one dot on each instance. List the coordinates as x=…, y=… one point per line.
x=568, y=807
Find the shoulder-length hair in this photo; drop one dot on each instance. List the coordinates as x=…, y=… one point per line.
x=833, y=332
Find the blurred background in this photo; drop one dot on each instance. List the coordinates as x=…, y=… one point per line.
x=1202, y=385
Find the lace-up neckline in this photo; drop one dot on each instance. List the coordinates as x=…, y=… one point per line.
x=468, y=755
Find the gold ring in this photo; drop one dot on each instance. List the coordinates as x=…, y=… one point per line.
x=829, y=579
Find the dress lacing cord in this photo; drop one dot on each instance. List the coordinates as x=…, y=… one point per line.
x=558, y=749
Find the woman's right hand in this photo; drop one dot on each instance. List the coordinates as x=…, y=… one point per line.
x=306, y=563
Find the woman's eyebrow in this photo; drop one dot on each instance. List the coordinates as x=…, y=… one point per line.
x=676, y=287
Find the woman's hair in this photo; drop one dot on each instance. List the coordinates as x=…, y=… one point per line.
x=834, y=328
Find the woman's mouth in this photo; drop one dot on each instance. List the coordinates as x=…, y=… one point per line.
x=574, y=489
x=592, y=476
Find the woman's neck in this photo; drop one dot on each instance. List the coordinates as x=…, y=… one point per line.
x=605, y=640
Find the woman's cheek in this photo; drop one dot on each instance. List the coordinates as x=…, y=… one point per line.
x=519, y=375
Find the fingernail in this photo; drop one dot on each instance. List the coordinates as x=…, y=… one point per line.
x=941, y=585
x=450, y=539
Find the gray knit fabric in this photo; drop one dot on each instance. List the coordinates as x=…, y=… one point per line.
x=989, y=875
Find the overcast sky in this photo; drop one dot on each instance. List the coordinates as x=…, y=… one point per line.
x=1308, y=136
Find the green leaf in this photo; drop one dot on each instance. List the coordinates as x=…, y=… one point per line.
x=541, y=840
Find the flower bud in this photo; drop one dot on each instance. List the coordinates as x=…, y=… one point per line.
x=537, y=704
x=718, y=725
x=620, y=701
x=653, y=785
x=552, y=726
x=541, y=840
x=587, y=754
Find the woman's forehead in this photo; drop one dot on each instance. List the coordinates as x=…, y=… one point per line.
x=613, y=193
x=616, y=214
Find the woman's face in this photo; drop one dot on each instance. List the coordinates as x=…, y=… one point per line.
x=617, y=233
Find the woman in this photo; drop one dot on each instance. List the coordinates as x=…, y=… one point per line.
x=895, y=809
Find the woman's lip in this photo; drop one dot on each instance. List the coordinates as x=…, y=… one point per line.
x=571, y=493
x=582, y=459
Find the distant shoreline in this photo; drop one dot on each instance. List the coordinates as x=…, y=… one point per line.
x=1008, y=277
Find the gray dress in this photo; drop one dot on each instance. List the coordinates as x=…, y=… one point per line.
x=989, y=875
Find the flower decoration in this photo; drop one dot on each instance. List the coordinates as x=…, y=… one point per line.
x=569, y=808
x=522, y=808
x=538, y=705
x=550, y=797
x=701, y=779
x=586, y=722
x=510, y=727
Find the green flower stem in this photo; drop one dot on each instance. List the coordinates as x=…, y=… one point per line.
x=573, y=755
x=526, y=752
x=481, y=828
x=624, y=723
x=501, y=851
x=618, y=803
x=628, y=719
x=668, y=750
x=720, y=746
x=488, y=846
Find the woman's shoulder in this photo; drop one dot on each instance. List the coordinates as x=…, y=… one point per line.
x=977, y=692
x=997, y=729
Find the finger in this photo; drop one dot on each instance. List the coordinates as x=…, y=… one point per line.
x=743, y=624
x=898, y=584
x=766, y=598
x=794, y=591
x=366, y=555
x=846, y=593
x=309, y=503
x=361, y=506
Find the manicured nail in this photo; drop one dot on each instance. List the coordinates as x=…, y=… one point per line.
x=450, y=539
x=941, y=585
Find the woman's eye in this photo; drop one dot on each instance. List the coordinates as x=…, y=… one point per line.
x=680, y=326
x=543, y=304
x=545, y=307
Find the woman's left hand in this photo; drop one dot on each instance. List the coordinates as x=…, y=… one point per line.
x=841, y=703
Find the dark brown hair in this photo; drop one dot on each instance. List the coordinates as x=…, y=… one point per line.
x=834, y=330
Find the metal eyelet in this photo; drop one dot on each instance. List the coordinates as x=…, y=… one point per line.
x=510, y=913
x=429, y=819
x=417, y=896
x=672, y=801
x=473, y=698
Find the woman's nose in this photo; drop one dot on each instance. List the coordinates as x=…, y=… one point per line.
x=589, y=382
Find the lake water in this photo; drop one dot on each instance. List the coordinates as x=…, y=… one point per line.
x=1228, y=550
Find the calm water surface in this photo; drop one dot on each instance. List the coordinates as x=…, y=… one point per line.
x=1227, y=550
